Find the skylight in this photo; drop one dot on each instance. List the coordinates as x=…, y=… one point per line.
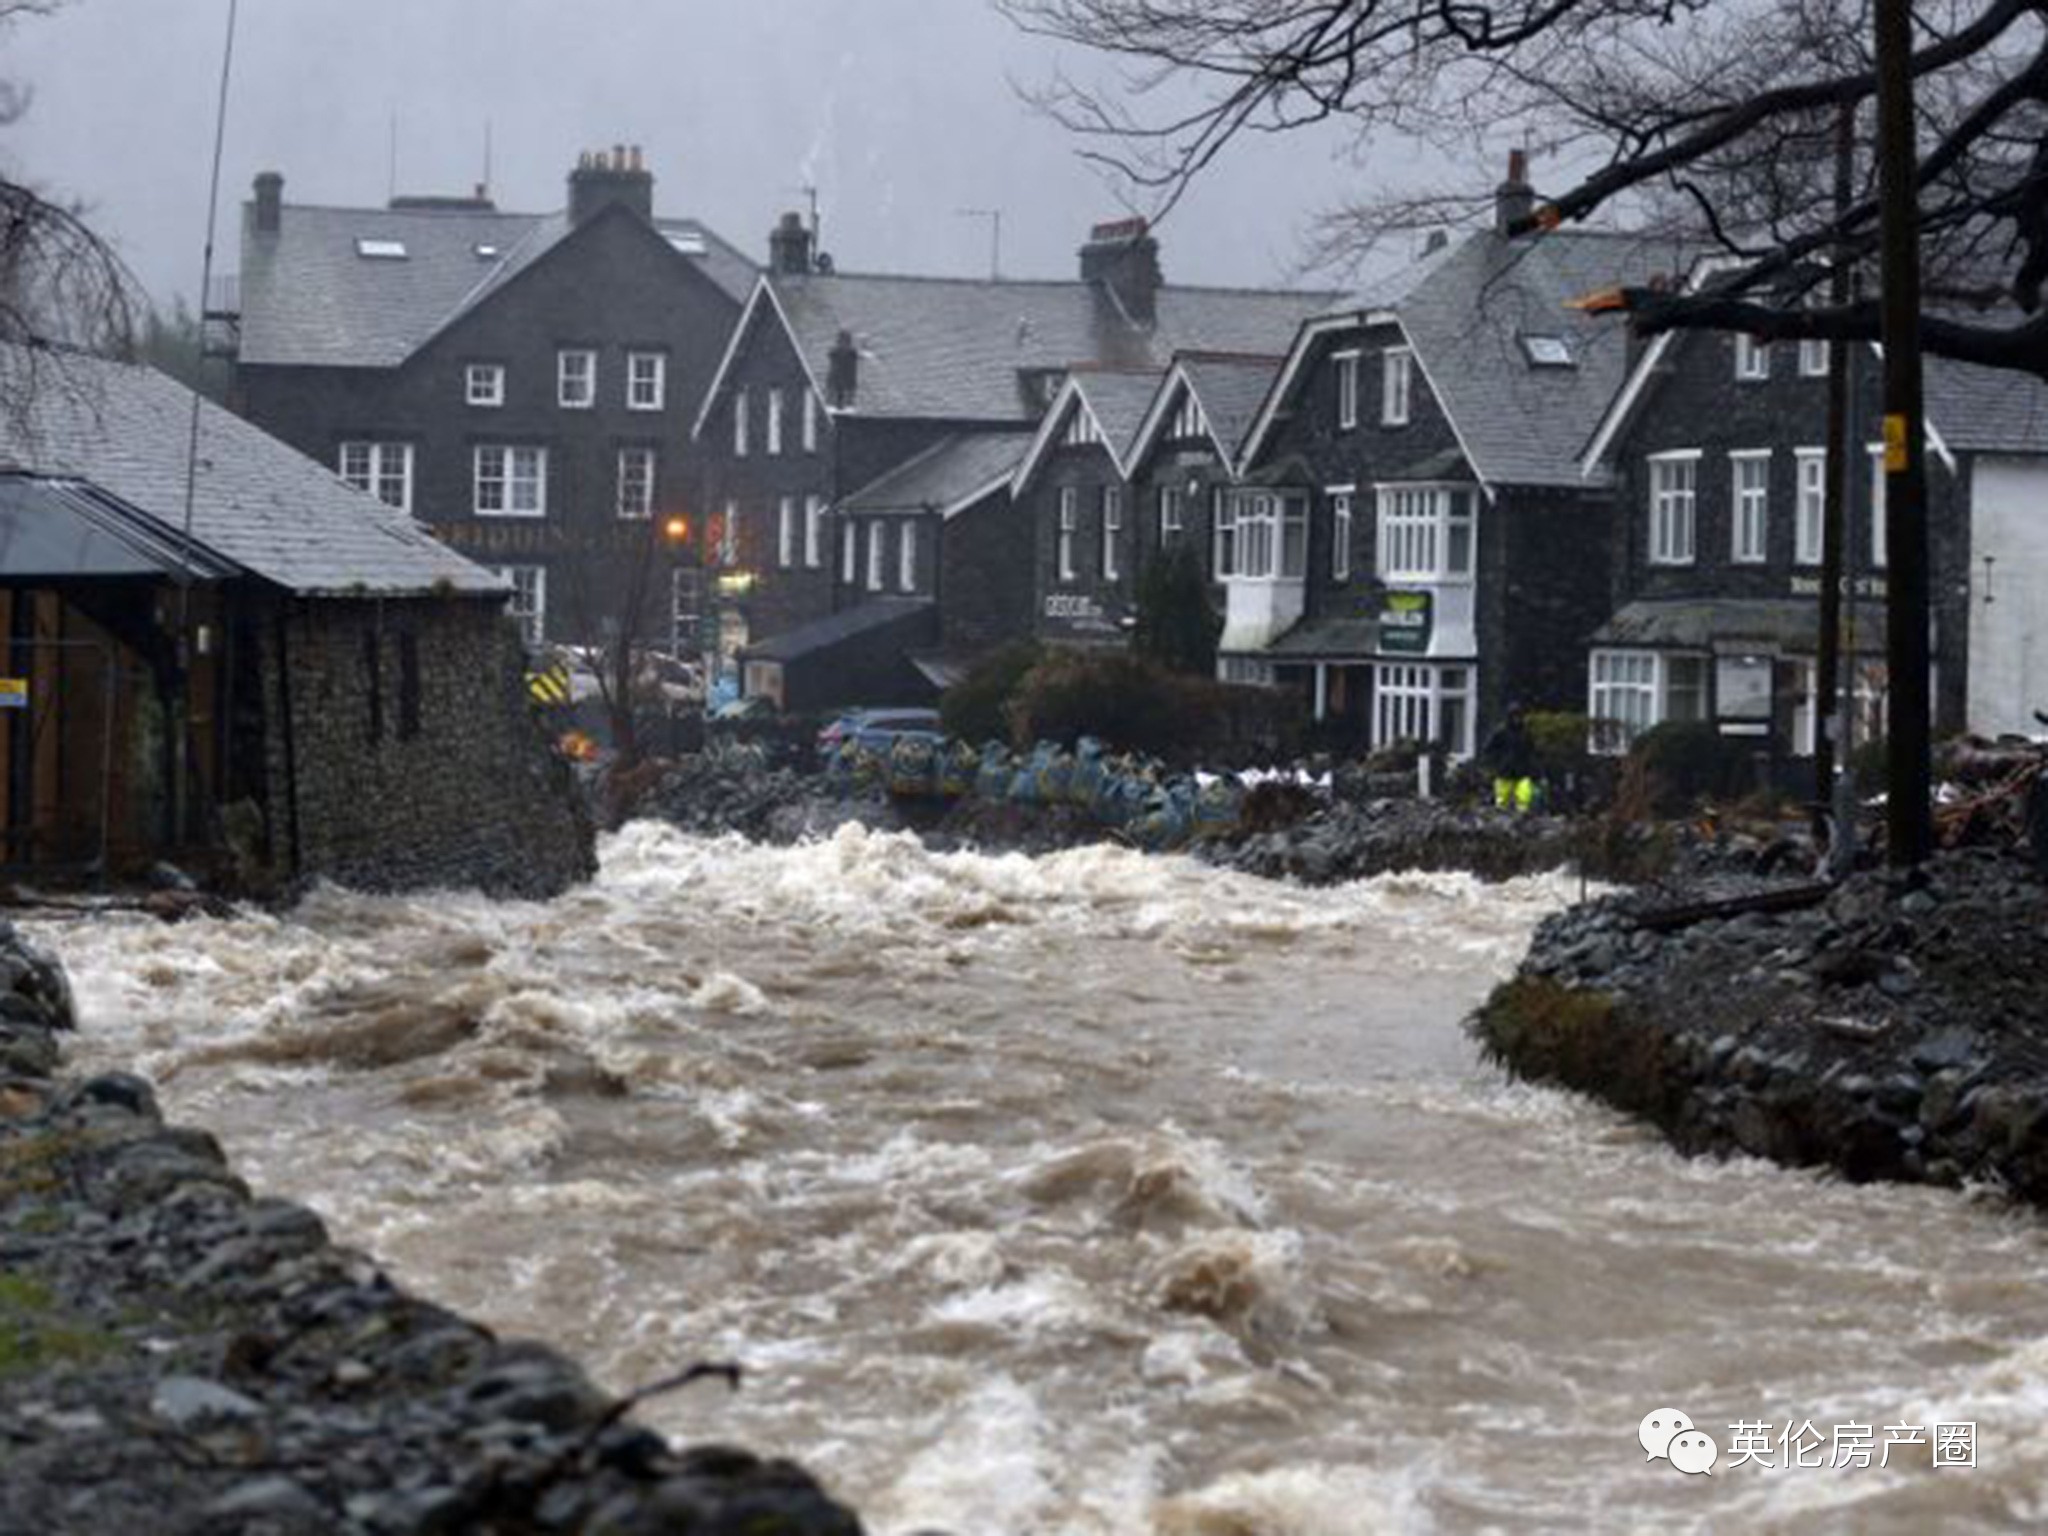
x=688, y=241
x=380, y=250
x=486, y=253
x=1549, y=351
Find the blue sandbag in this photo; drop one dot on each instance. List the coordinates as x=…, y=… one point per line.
x=957, y=768
x=998, y=768
x=913, y=771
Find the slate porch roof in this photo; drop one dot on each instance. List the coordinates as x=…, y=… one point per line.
x=258, y=503
x=1986, y=410
x=308, y=298
x=1728, y=626
x=946, y=478
x=835, y=629
x=967, y=349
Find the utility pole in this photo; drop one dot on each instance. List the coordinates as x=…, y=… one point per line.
x=1908, y=773
x=1827, y=734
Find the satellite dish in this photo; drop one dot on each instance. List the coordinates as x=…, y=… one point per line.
x=824, y=263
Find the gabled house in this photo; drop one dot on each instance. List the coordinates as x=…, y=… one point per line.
x=1186, y=452
x=833, y=380
x=235, y=660
x=1414, y=543
x=1717, y=446
x=524, y=384
x=1073, y=490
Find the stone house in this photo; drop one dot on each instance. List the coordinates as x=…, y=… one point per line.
x=1414, y=542
x=836, y=380
x=256, y=671
x=522, y=383
x=1717, y=446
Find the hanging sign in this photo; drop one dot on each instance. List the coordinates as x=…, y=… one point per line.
x=1405, y=622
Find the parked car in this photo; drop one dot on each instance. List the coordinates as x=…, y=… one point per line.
x=752, y=706
x=877, y=729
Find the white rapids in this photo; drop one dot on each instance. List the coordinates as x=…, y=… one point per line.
x=1095, y=1193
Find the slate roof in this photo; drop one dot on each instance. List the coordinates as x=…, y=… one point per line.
x=1119, y=401
x=1329, y=639
x=1731, y=625
x=1520, y=423
x=836, y=628
x=1231, y=389
x=944, y=475
x=1986, y=410
x=308, y=298
x=64, y=530
x=263, y=505
x=961, y=347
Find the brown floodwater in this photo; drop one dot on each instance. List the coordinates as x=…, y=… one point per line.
x=1095, y=1193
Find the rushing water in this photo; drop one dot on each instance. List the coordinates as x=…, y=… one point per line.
x=1095, y=1193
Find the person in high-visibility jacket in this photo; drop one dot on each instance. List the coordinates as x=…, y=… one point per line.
x=1510, y=756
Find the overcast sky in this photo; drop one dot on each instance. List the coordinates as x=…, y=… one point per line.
x=900, y=112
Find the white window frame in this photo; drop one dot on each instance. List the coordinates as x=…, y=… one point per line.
x=1749, y=506
x=1112, y=505
x=1341, y=514
x=1069, y=526
x=1674, y=483
x=1810, y=502
x=1813, y=358
x=1173, y=512
x=519, y=474
x=1397, y=386
x=1879, y=551
x=739, y=423
x=384, y=469
x=906, y=556
x=729, y=536
x=1752, y=358
x=1417, y=532
x=814, y=532
x=849, y=552
x=878, y=553
x=638, y=468
x=1411, y=700
x=576, y=388
x=528, y=605
x=1271, y=535
x=1346, y=366
x=774, y=433
x=810, y=425
x=1629, y=691
x=646, y=381
x=1222, y=535
x=483, y=385
x=785, y=532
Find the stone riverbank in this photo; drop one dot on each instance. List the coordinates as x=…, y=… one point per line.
x=179, y=1356
x=1888, y=1028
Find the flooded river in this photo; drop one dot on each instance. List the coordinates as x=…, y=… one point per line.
x=1088, y=1194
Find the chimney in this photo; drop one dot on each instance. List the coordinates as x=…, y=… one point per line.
x=1514, y=199
x=605, y=177
x=1123, y=257
x=789, y=247
x=269, y=202
x=842, y=374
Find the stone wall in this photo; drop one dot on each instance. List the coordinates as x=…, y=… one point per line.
x=404, y=754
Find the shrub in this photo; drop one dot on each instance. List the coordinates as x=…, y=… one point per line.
x=1137, y=705
x=977, y=707
x=1683, y=762
x=1559, y=737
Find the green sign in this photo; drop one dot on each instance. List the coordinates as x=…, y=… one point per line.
x=1405, y=620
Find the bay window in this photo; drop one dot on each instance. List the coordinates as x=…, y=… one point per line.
x=1425, y=703
x=1631, y=691
x=1426, y=532
x=1269, y=536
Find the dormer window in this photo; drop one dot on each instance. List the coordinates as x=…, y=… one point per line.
x=372, y=249
x=1346, y=364
x=1548, y=352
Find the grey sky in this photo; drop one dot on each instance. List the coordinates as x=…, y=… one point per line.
x=900, y=111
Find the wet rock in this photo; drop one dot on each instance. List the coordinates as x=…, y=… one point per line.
x=186, y=1400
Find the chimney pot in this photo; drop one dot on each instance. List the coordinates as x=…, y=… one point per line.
x=602, y=178
x=789, y=246
x=269, y=202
